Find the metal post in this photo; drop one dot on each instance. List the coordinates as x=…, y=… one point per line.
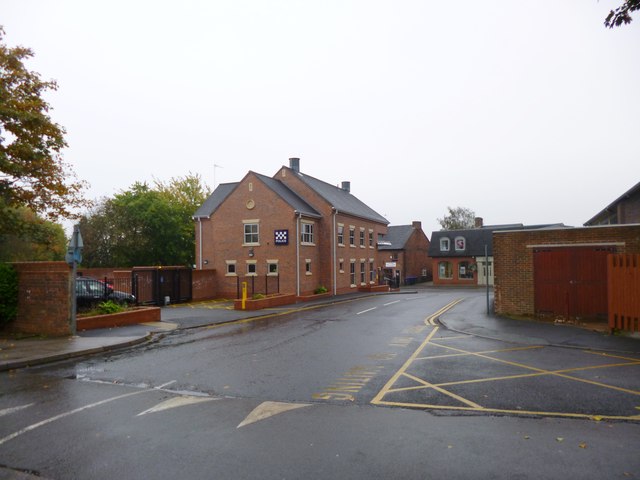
x=73, y=257
x=486, y=276
x=244, y=295
x=74, y=306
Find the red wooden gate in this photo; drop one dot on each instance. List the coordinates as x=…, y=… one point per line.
x=571, y=281
x=624, y=292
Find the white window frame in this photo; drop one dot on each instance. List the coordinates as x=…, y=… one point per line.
x=271, y=263
x=231, y=263
x=462, y=241
x=340, y=235
x=352, y=236
x=306, y=233
x=249, y=223
x=307, y=267
x=445, y=244
x=250, y=264
x=352, y=272
x=371, y=243
x=362, y=237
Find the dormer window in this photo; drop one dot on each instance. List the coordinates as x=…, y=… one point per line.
x=444, y=245
x=461, y=244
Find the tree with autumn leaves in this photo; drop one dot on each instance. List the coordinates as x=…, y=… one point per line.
x=36, y=186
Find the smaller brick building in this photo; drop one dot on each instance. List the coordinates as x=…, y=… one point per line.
x=466, y=257
x=403, y=254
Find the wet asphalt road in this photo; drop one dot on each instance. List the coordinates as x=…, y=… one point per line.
x=373, y=388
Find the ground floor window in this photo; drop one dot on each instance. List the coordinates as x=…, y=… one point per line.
x=352, y=272
x=363, y=272
x=445, y=270
x=272, y=267
x=465, y=271
x=231, y=267
x=252, y=268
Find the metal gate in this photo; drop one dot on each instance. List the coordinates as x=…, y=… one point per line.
x=161, y=285
x=571, y=281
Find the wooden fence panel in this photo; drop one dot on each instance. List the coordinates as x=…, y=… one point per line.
x=624, y=292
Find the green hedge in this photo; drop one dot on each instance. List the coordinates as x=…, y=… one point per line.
x=8, y=293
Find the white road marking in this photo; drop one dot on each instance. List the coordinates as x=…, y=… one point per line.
x=166, y=384
x=391, y=303
x=66, y=414
x=365, y=311
x=269, y=409
x=72, y=412
x=9, y=411
x=175, y=403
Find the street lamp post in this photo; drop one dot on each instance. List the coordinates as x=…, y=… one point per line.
x=73, y=258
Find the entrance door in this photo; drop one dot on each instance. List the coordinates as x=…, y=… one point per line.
x=571, y=282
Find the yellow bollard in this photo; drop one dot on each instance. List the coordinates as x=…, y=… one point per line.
x=244, y=295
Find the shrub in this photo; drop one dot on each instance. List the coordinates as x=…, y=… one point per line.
x=320, y=289
x=258, y=296
x=8, y=293
x=108, y=307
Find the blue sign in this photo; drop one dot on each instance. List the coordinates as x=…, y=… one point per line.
x=281, y=237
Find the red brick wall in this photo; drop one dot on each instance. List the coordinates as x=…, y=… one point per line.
x=44, y=298
x=203, y=285
x=513, y=259
x=346, y=252
x=416, y=255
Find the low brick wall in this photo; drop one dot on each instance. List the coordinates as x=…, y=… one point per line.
x=44, y=299
x=374, y=288
x=315, y=296
x=268, y=302
x=130, y=317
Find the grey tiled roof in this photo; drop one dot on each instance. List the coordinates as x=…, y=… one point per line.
x=476, y=239
x=289, y=196
x=396, y=238
x=221, y=193
x=341, y=200
x=212, y=203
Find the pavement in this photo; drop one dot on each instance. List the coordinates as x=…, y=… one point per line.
x=469, y=317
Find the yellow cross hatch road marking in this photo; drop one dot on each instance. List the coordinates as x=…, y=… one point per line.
x=559, y=373
x=398, y=383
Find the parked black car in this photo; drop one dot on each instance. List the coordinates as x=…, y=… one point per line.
x=91, y=291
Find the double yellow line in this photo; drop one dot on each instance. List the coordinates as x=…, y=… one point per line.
x=431, y=319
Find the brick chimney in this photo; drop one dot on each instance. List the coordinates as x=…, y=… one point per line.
x=294, y=164
x=478, y=222
x=417, y=225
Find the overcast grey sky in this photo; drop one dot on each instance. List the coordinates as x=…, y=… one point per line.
x=522, y=111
